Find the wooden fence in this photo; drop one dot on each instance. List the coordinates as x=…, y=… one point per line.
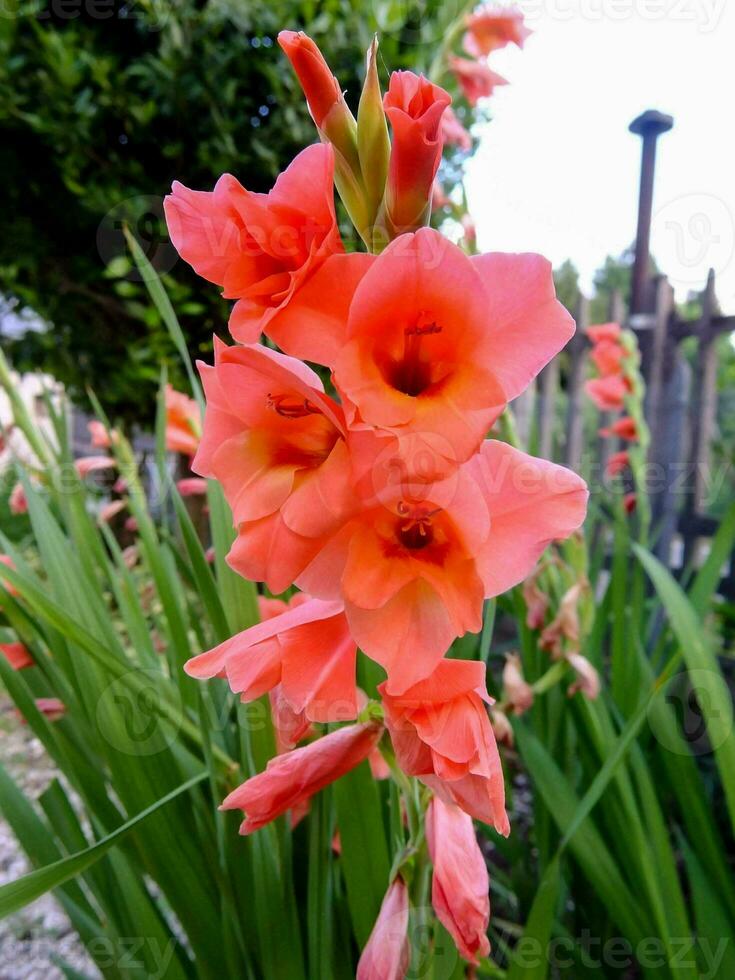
x=680, y=408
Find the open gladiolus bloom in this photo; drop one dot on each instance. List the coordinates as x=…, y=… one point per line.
x=371, y=484
x=490, y=28
x=183, y=423
x=441, y=733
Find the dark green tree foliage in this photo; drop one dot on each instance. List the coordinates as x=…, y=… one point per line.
x=566, y=281
x=102, y=104
x=613, y=276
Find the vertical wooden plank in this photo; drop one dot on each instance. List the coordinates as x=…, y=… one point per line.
x=654, y=366
x=616, y=307
x=668, y=382
x=702, y=414
x=704, y=401
x=575, y=388
x=522, y=408
x=548, y=386
x=667, y=460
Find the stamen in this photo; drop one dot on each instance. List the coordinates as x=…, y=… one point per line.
x=419, y=330
x=417, y=531
x=413, y=373
x=289, y=407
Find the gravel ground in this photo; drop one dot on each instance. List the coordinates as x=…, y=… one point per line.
x=30, y=939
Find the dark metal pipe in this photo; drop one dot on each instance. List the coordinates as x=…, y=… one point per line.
x=649, y=127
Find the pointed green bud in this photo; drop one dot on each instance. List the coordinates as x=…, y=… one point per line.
x=334, y=121
x=373, y=142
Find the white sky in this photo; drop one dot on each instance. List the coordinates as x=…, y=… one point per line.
x=557, y=170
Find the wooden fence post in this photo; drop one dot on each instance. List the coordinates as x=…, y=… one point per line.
x=575, y=388
x=548, y=386
x=659, y=350
x=523, y=413
x=701, y=419
x=668, y=382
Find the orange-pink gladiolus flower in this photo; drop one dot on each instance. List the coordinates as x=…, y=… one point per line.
x=17, y=654
x=438, y=198
x=415, y=359
x=294, y=777
x=290, y=726
x=263, y=248
x=52, y=708
x=608, y=357
x=17, y=501
x=491, y=28
x=99, y=436
x=476, y=80
x=110, y=510
x=92, y=464
x=387, y=953
x=321, y=88
x=276, y=443
x=191, y=486
x=183, y=422
x=414, y=107
x=617, y=463
x=307, y=650
x=441, y=733
x=454, y=132
x=624, y=428
x=608, y=393
x=604, y=331
x=460, y=884
x=413, y=569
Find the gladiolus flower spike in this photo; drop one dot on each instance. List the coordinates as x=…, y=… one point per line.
x=384, y=503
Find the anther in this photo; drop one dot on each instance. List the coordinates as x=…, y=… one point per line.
x=291, y=408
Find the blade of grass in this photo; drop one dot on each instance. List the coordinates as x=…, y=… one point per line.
x=364, y=861
x=539, y=927
x=712, y=691
x=162, y=303
x=16, y=894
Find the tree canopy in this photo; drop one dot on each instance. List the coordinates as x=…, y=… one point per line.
x=102, y=104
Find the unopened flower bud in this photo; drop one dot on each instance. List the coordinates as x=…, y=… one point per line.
x=333, y=119
x=373, y=143
x=518, y=692
x=588, y=680
x=537, y=603
x=414, y=106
